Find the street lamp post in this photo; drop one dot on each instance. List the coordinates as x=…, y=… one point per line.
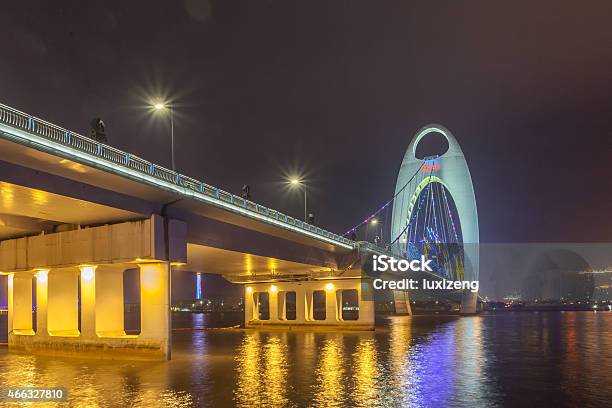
x=297, y=182
x=164, y=106
x=377, y=231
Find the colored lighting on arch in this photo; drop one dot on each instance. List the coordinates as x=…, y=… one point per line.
x=430, y=167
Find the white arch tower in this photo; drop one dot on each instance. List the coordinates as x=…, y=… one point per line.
x=451, y=170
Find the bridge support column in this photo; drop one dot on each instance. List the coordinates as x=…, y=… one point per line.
x=468, y=302
x=301, y=305
x=402, y=303
x=42, y=298
x=273, y=300
x=336, y=312
x=87, y=278
x=155, y=307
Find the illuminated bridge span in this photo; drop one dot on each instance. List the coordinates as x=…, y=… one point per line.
x=77, y=215
x=28, y=130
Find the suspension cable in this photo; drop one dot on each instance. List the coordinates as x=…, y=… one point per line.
x=408, y=224
x=384, y=206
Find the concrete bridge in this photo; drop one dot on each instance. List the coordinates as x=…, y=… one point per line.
x=75, y=214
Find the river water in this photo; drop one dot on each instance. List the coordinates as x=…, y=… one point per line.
x=546, y=359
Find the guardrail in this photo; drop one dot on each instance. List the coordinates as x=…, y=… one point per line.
x=161, y=175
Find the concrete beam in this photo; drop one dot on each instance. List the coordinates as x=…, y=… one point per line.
x=116, y=243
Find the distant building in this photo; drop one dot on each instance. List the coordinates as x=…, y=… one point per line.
x=602, y=286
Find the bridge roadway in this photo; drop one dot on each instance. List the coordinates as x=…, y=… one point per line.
x=52, y=176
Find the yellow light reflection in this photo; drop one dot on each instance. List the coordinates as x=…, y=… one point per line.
x=79, y=168
x=248, y=264
x=261, y=371
x=8, y=196
x=272, y=265
x=276, y=372
x=329, y=374
x=365, y=373
x=40, y=197
x=249, y=378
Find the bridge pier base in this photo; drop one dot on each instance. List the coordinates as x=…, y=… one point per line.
x=320, y=304
x=66, y=291
x=100, y=330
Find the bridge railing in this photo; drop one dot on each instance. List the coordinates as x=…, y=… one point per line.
x=115, y=157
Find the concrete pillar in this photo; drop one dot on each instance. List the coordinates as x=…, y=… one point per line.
x=301, y=309
x=339, y=305
x=273, y=303
x=63, y=302
x=9, y=302
x=20, y=304
x=468, y=302
x=366, y=303
x=88, y=301
x=109, y=303
x=282, y=305
x=309, y=303
x=255, y=308
x=331, y=304
x=155, y=306
x=402, y=303
x=42, y=286
x=249, y=304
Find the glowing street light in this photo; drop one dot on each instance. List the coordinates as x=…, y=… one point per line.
x=374, y=223
x=160, y=107
x=297, y=183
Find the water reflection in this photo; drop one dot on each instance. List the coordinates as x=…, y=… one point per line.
x=365, y=374
x=330, y=388
x=261, y=370
x=513, y=359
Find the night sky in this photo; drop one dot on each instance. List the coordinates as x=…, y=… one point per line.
x=337, y=90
